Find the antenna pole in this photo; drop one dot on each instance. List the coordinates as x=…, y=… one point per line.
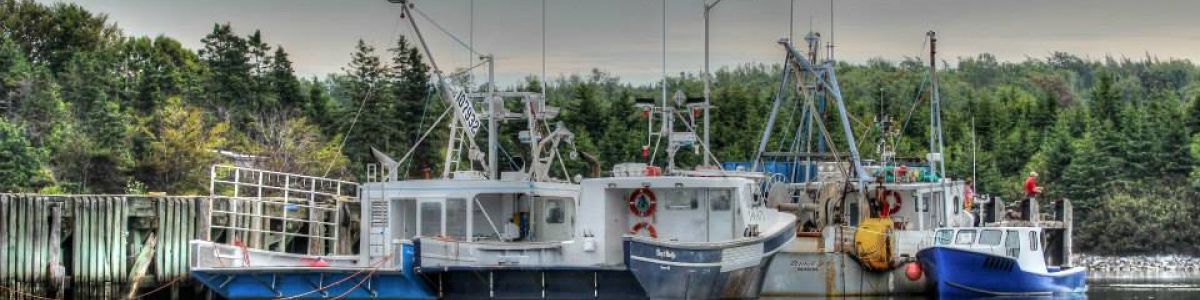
x=707, y=83
x=543, y=50
x=935, y=110
x=493, y=120
x=664, y=55
x=830, y=54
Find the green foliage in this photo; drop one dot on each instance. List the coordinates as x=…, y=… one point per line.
x=89, y=110
x=182, y=149
x=21, y=164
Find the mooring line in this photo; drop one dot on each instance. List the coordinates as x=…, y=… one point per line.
x=24, y=294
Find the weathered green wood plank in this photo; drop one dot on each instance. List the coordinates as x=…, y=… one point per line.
x=140, y=265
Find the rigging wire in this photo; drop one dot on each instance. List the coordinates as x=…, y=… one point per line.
x=916, y=102
x=444, y=31
x=421, y=125
x=342, y=145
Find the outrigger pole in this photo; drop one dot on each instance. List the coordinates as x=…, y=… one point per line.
x=464, y=114
x=823, y=74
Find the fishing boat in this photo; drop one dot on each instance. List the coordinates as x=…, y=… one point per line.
x=417, y=238
x=861, y=223
x=996, y=261
x=279, y=235
x=688, y=236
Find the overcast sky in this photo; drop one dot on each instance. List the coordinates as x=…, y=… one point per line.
x=624, y=37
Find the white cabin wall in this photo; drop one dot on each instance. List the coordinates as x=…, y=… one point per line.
x=603, y=217
x=679, y=215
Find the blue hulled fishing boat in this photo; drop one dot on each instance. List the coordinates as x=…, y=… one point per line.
x=996, y=261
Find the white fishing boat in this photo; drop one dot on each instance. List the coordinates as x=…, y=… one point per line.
x=860, y=223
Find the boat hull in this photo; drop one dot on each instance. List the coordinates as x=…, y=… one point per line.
x=280, y=279
x=301, y=284
x=822, y=274
x=698, y=272
x=960, y=273
x=533, y=283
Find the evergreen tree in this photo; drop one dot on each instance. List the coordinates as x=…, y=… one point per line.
x=1084, y=180
x=229, y=84
x=365, y=118
x=283, y=82
x=20, y=163
x=409, y=85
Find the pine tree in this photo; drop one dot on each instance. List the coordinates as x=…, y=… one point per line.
x=409, y=85
x=283, y=82
x=365, y=118
x=229, y=82
x=20, y=163
x=1085, y=179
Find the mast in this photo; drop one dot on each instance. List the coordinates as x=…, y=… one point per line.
x=937, y=158
x=707, y=83
x=464, y=112
x=493, y=119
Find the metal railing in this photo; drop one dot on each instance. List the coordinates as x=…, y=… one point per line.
x=271, y=210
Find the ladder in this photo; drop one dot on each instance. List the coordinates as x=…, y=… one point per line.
x=453, y=148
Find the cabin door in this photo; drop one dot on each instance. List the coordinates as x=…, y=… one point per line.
x=720, y=215
x=556, y=218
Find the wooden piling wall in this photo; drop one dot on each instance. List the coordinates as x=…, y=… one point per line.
x=84, y=246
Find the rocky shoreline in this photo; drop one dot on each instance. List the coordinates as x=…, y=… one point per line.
x=1138, y=264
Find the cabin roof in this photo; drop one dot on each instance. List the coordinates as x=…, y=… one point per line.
x=464, y=185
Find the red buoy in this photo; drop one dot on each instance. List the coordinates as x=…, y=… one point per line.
x=913, y=271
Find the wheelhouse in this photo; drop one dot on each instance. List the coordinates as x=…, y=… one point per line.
x=472, y=212
x=1024, y=244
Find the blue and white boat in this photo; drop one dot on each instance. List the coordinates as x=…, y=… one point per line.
x=996, y=261
x=684, y=235
x=275, y=235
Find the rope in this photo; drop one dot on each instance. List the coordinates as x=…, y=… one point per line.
x=464, y=71
x=346, y=137
x=423, y=136
x=159, y=288
x=23, y=294
x=356, y=286
x=424, y=112
x=443, y=29
x=374, y=266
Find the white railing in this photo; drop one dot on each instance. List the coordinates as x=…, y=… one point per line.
x=266, y=210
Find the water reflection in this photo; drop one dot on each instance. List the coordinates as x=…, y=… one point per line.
x=1169, y=285
x=1166, y=285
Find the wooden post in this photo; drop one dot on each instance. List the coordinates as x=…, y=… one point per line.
x=141, y=264
x=57, y=276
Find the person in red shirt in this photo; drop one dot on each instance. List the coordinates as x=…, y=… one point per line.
x=969, y=194
x=1031, y=188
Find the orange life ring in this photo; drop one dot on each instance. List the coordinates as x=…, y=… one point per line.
x=642, y=202
x=644, y=225
x=893, y=209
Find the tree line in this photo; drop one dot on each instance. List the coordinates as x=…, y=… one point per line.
x=88, y=109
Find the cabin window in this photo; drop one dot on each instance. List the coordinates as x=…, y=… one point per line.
x=1012, y=243
x=721, y=200
x=965, y=237
x=1033, y=240
x=431, y=219
x=403, y=218
x=990, y=237
x=943, y=237
x=680, y=199
x=554, y=211
x=925, y=198
x=957, y=204
x=456, y=217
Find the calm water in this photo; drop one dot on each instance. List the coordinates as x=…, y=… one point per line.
x=1144, y=285
x=1130, y=285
